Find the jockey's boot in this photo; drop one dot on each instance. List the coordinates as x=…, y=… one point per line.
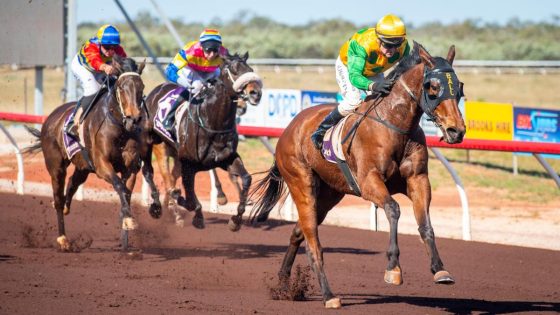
x=72, y=128
x=330, y=120
x=170, y=118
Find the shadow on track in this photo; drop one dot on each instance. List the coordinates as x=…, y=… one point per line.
x=455, y=306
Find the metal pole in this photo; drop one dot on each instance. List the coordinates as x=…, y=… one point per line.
x=548, y=168
x=19, y=157
x=168, y=24
x=71, y=49
x=25, y=94
x=142, y=41
x=38, y=90
x=462, y=194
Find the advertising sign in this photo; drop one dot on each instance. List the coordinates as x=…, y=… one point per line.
x=489, y=121
x=538, y=125
x=277, y=108
x=312, y=98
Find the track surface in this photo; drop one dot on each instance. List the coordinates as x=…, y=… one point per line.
x=185, y=270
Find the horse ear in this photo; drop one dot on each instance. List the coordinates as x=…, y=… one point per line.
x=426, y=57
x=141, y=66
x=246, y=56
x=451, y=54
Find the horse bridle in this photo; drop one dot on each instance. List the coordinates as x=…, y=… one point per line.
x=118, y=94
x=428, y=104
x=442, y=72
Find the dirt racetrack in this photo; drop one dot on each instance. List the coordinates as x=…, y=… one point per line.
x=184, y=270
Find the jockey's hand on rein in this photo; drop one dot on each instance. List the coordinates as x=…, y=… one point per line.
x=381, y=87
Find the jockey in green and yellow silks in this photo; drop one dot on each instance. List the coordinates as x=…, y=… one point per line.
x=360, y=66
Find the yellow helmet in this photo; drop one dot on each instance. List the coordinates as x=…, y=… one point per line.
x=390, y=29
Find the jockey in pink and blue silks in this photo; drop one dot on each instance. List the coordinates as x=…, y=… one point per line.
x=360, y=66
x=195, y=64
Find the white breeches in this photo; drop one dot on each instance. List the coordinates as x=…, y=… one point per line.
x=194, y=80
x=351, y=96
x=88, y=80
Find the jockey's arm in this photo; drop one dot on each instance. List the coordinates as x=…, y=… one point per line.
x=356, y=62
x=177, y=64
x=93, y=55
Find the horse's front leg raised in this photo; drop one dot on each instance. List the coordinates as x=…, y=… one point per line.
x=237, y=169
x=419, y=192
x=191, y=202
x=375, y=191
x=106, y=171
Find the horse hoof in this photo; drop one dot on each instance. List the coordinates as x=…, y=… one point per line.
x=63, y=243
x=155, y=210
x=198, y=223
x=66, y=210
x=129, y=224
x=234, y=223
x=333, y=303
x=394, y=276
x=174, y=193
x=222, y=200
x=443, y=277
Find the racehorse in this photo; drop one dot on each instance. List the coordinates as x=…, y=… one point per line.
x=207, y=136
x=111, y=140
x=387, y=154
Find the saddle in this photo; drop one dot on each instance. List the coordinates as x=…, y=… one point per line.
x=332, y=152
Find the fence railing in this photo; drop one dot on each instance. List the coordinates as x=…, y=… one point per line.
x=474, y=66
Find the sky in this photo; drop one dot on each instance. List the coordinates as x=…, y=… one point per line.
x=299, y=12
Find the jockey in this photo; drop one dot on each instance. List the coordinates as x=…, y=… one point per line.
x=198, y=62
x=360, y=66
x=90, y=65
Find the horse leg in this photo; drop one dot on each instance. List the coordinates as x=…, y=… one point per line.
x=191, y=202
x=376, y=192
x=148, y=173
x=57, y=170
x=78, y=177
x=106, y=171
x=237, y=169
x=327, y=199
x=302, y=184
x=172, y=194
x=420, y=194
x=222, y=199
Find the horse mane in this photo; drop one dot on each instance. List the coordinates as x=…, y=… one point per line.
x=123, y=65
x=408, y=62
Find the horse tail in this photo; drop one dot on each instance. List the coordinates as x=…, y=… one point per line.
x=268, y=191
x=35, y=147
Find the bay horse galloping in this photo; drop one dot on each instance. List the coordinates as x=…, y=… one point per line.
x=387, y=154
x=111, y=140
x=207, y=135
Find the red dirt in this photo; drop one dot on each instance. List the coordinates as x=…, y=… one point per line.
x=217, y=271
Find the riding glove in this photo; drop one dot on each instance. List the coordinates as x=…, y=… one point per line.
x=382, y=87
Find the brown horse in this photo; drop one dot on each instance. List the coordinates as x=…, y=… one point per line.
x=207, y=136
x=387, y=155
x=111, y=140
